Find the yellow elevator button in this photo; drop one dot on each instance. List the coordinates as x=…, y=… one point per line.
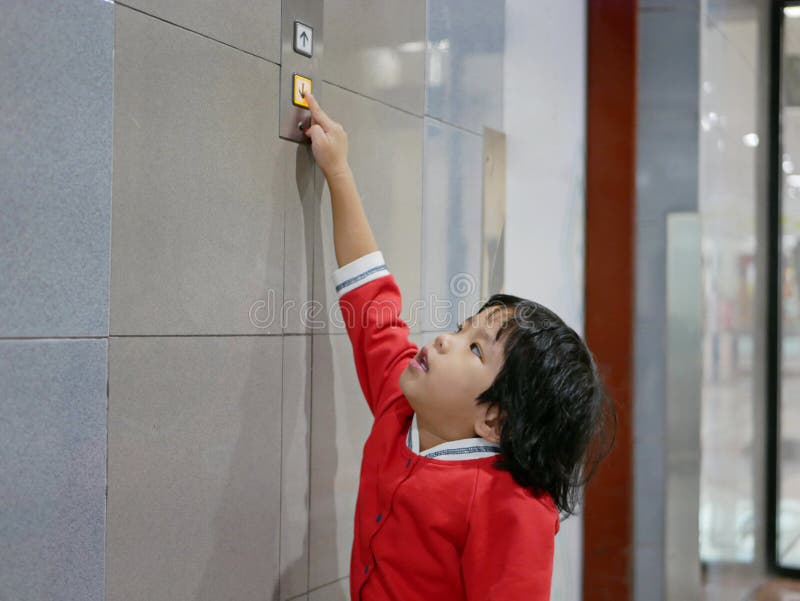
x=301, y=86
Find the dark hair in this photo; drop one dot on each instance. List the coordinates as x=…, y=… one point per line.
x=553, y=404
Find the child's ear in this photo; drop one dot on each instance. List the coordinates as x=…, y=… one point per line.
x=487, y=423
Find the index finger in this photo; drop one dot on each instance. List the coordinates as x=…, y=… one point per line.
x=317, y=113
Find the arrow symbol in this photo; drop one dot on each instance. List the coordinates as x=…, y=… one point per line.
x=304, y=38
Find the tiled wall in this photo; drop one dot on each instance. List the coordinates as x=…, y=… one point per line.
x=56, y=58
x=170, y=338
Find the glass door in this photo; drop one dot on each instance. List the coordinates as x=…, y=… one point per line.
x=784, y=454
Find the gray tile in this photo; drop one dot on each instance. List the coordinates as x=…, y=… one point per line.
x=200, y=184
x=648, y=573
x=391, y=192
x=451, y=226
x=668, y=64
x=302, y=202
x=377, y=48
x=295, y=466
x=194, y=462
x=55, y=148
x=335, y=591
x=649, y=490
x=255, y=25
x=53, y=472
x=650, y=383
x=667, y=158
x=664, y=5
x=464, y=74
x=651, y=288
x=340, y=424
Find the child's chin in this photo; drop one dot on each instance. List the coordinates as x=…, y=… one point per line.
x=403, y=381
x=407, y=387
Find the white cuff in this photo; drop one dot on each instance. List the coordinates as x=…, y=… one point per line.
x=356, y=273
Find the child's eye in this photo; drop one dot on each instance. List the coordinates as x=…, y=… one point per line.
x=474, y=344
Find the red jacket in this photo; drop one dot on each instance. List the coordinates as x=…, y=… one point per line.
x=428, y=529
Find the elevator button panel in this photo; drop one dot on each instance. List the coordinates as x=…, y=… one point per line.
x=302, y=47
x=303, y=39
x=301, y=86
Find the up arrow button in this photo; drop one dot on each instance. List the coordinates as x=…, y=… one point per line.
x=303, y=39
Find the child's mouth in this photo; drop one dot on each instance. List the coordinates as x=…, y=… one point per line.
x=421, y=360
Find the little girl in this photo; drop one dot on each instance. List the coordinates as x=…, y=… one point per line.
x=480, y=437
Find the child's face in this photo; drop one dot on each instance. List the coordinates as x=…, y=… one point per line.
x=461, y=365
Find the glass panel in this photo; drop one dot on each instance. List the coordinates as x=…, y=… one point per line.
x=727, y=202
x=788, y=539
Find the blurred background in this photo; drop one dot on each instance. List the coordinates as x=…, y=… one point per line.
x=180, y=416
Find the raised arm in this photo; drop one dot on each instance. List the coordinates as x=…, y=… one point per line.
x=352, y=235
x=368, y=294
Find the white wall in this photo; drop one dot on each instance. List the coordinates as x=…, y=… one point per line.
x=544, y=121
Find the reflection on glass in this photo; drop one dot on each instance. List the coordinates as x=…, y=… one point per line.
x=727, y=201
x=788, y=526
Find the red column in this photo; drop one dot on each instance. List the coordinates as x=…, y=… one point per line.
x=610, y=229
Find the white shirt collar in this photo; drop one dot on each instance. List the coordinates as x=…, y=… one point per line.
x=452, y=450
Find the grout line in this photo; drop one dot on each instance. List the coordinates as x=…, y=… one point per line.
x=310, y=377
x=424, y=115
x=105, y=500
x=208, y=37
x=296, y=334
x=107, y=336
x=425, y=58
x=423, y=246
x=276, y=335
x=384, y=103
x=3, y=339
x=281, y=486
x=453, y=125
x=280, y=477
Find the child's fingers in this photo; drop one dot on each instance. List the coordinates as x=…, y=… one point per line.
x=314, y=132
x=317, y=114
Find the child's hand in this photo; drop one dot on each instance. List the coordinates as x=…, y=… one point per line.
x=328, y=140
